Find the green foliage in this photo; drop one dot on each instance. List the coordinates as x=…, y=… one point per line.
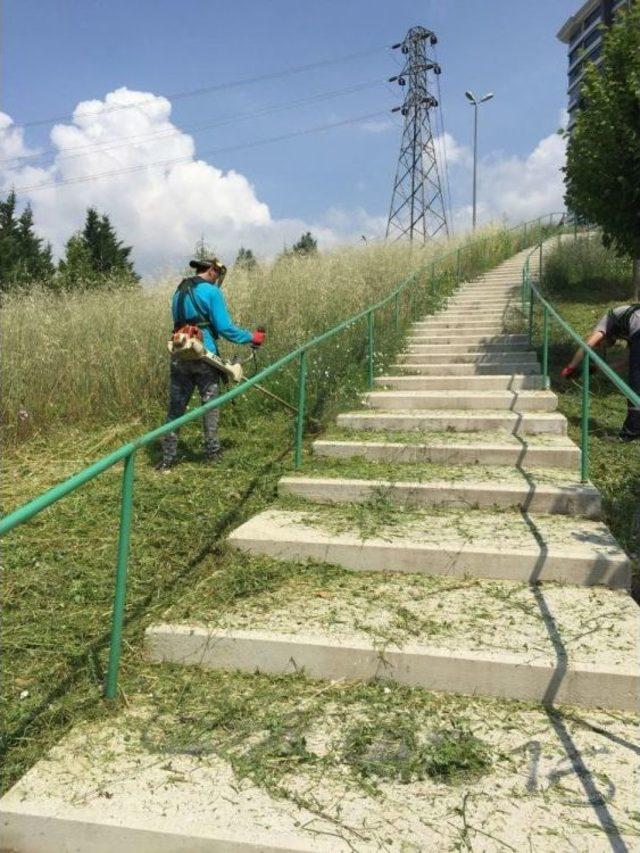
x=583, y=279
x=126, y=332
x=109, y=257
x=246, y=259
x=24, y=257
x=392, y=749
x=75, y=270
x=585, y=269
x=306, y=245
x=603, y=161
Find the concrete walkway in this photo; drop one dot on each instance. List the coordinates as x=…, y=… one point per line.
x=464, y=450
x=477, y=565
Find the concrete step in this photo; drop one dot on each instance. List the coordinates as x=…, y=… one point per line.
x=510, y=361
x=514, y=401
x=449, y=449
x=508, y=673
x=480, y=339
x=503, y=546
x=512, y=422
x=522, y=491
x=469, y=369
x=472, y=302
x=468, y=321
x=132, y=784
x=476, y=318
x=461, y=348
x=468, y=328
x=498, y=382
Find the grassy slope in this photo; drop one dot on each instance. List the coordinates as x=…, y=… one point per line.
x=583, y=281
x=59, y=568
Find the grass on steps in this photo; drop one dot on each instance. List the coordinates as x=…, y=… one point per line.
x=271, y=728
x=391, y=610
x=424, y=472
x=430, y=437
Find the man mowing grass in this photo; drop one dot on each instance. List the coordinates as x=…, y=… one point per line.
x=200, y=316
x=620, y=323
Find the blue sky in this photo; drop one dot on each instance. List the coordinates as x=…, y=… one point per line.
x=57, y=53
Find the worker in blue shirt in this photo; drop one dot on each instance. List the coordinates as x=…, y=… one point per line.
x=198, y=301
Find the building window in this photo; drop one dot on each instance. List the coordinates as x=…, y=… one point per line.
x=575, y=73
x=575, y=35
x=594, y=16
x=593, y=36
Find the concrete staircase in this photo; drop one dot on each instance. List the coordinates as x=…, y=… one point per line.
x=462, y=448
x=474, y=562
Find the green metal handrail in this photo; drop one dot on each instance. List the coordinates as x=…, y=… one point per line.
x=530, y=296
x=127, y=452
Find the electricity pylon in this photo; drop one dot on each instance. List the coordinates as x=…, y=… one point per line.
x=417, y=203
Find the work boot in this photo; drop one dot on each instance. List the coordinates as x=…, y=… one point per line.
x=165, y=465
x=214, y=458
x=625, y=435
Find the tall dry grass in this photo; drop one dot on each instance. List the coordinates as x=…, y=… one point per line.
x=96, y=356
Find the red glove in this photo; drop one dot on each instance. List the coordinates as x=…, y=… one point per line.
x=567, y=371
x=258, y=337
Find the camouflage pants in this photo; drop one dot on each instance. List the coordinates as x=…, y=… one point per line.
x=184, y=377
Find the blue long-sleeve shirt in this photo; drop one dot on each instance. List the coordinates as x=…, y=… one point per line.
x=212, y=305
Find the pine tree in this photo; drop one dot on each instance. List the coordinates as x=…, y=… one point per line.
x=246, y=259
x=306, y=245
x=75, y=270
x=8, y=241
x=24, y=257
x=109, y=257
x=35, y=254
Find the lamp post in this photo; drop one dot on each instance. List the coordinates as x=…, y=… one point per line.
x=472, y=98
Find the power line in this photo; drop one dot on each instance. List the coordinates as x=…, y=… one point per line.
x=233, y=84
x=174, y=160
x=125, y=141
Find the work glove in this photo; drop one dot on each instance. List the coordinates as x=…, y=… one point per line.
x=258, y=337
x=567, y=371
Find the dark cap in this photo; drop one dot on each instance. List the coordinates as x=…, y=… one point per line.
x=205, y=263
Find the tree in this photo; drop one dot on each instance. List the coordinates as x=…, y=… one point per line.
x=24, y=257
x=306, y=245
x=75, y=270
x=246, y=259
x=603, y=159
x=109, y=257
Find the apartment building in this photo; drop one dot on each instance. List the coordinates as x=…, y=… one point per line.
x=583, y=33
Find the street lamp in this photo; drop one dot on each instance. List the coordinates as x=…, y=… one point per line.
x=472, y=98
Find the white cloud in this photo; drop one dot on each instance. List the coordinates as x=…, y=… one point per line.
x=161, y=211
x=456, y=154
x=509, y=186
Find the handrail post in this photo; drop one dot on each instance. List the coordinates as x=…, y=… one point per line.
x=584, y=420
x=545, y=348
x=540, y=264
x=530, y=315
x=370, y=348
x=302, y=401
x=124, y=539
